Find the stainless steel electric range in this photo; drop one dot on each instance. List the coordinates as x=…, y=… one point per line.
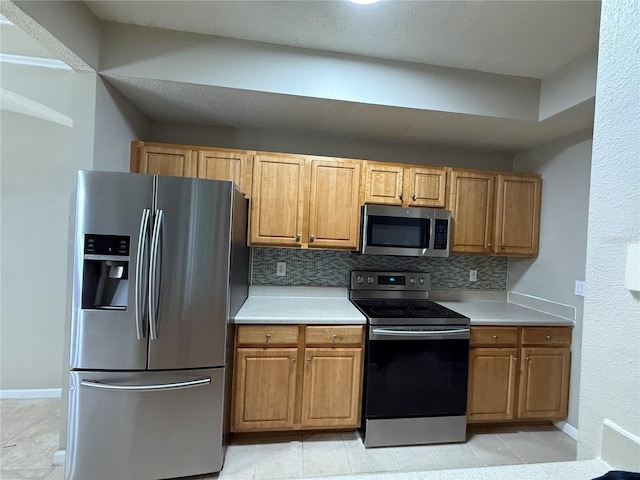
x=416, y=361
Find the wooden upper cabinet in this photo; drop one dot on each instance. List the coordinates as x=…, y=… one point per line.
x=425, y=187
x=383, y=184
x=471, y=201
x=334, y=206
x=223, y=164
x=517, y=215
x=160, y=159
x=409, y=186
x=278, y=199
x=494, y=213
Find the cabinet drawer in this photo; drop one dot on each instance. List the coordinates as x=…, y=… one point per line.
x=267, y=334
x=334, y=335
x=546, y=336
x=506, y=336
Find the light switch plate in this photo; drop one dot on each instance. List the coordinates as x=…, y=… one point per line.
x=579, y=288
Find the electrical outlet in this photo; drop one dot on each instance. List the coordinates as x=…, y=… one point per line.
x=579, y=288
x=281, y=269
x=473, y=275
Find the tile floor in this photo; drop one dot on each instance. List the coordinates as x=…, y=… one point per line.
x=29, y=430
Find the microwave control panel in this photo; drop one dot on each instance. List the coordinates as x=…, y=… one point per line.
x=441, y=234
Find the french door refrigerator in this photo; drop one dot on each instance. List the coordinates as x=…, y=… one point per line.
x=161, y=268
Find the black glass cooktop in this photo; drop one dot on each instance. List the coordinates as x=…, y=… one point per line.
x=396, y=309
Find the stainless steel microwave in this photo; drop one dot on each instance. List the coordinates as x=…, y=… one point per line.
x=414, y=232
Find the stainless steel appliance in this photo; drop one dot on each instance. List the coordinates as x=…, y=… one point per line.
x=415, y=232
x=416, y=361
x=161, y=269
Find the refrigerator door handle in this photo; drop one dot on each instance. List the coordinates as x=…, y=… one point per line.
x=154, y=274
x=147, y=388
x=142, y=246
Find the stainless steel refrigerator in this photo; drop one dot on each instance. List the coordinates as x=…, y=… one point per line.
x=161, y=268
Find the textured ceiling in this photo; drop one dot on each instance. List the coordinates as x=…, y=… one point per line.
x=522, y=38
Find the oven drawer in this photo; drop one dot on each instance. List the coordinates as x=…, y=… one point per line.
x=546, y=335
x=334, y=335
x=267, y=334
x=487, y=336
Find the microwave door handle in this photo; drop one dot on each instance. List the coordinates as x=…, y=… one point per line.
x=432, y=230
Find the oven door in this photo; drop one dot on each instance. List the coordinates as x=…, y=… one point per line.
x=416, y=371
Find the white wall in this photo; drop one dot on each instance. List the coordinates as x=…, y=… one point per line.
x=565, y=166
x=39, y=161
x=280, y=141
x=610, y=376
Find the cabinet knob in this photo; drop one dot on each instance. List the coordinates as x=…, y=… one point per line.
x=293, y=360
x=308, y=359
x=528, y=359
x=334, y=336
x=312, y=237
x=298, y=236
x=500, y=245
x=268, y=336
x=400, y=196
x=548, y=337
x=495, y=337
x=515, y=359
x=489, y=245
x=413, y=196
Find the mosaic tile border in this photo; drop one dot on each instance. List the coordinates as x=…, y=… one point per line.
x=331, y=268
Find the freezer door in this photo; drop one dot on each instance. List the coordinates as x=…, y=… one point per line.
x=189, y=273
x=108, y=328
x=144, y=425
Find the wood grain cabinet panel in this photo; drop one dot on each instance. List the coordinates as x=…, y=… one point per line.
x=492, y=383
x=334, y=204
x=494, y=213
x=332, y=386
x=302, y=387
x=278, y=200
x=525, y=377
x=544, y=383
x=226, y=164
x=265, y=389
x=405, y=185
x=160, y=159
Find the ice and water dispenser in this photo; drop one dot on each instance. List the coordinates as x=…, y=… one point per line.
x=106, y=272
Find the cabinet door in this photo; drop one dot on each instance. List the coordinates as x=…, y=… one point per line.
x=231, y=165
x=264, y=391
x=166, y=160
x=492, y=383
x=383, y=184
x=471, y=203
x=334, y=209
x=544, y=382
x=331, y=394
x=278, y=200
x=517, y=215
x=425, y=187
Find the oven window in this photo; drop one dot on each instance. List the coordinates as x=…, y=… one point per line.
x=397, y=232
x=416, y=378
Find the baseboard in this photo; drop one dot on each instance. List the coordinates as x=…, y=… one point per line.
x=59, y=457
x=32, y=393
x=620, y=448
x=568, y=429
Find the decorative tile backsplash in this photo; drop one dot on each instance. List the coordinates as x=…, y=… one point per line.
x=332, y=268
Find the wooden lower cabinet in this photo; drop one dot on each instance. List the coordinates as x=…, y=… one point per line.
x=285, y=380
x=518, y=373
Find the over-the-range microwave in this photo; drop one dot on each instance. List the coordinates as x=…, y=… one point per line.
x=414, y=231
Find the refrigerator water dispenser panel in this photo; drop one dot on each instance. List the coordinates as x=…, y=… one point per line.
x=106, y=272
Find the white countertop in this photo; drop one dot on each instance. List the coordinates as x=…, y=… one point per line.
x=299, y=305
x=331, y=305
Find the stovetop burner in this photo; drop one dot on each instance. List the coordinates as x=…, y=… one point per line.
x=396, y=298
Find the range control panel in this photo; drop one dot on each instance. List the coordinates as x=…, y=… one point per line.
x=365, y=280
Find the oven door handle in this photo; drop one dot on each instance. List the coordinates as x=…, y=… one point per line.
x=416, y=334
